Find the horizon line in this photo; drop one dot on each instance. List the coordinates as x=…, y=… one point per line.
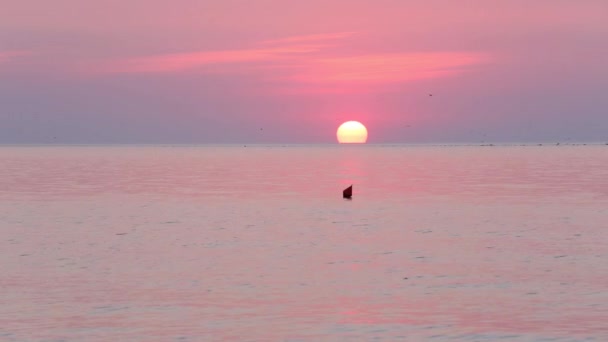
x=480, y=144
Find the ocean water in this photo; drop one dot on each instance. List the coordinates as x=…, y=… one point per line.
x=255, y=243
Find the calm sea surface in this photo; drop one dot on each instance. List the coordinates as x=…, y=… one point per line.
x=213, y=243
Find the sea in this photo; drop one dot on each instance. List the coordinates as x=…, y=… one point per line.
x=256, y=243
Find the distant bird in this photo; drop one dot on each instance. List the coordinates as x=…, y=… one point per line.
x=430, y=94
x=348, y=192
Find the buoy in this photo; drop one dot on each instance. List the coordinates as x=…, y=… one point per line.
x=348, y=192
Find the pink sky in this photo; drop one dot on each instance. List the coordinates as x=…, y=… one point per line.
x=218, y=71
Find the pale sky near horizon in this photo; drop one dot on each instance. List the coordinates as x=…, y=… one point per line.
x=277, y=71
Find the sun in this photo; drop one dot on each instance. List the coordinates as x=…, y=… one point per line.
x=352, y=132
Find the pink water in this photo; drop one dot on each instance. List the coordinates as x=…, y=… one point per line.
x=255, y=243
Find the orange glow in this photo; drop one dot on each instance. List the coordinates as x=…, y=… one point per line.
x=352, y=132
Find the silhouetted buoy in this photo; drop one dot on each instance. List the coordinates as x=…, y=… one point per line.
x=348, y=192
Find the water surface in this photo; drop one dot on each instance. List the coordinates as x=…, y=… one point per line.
x=190, y=243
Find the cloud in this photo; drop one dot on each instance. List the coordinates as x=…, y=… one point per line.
x=268, y=51
x=8, y=56
x=307, y=60
x=311, y=37
x=387, y=68
x=186, y=61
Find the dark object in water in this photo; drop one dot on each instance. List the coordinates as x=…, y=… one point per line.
x=348, y=192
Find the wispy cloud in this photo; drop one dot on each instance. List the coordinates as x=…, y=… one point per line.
x=310, y=59
x=387, y=68
x=8, y=56
x=311, y=38
x=270, y=51
x=187, y=61
x=285, y=49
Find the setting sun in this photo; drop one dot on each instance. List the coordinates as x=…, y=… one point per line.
x=352, y=132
